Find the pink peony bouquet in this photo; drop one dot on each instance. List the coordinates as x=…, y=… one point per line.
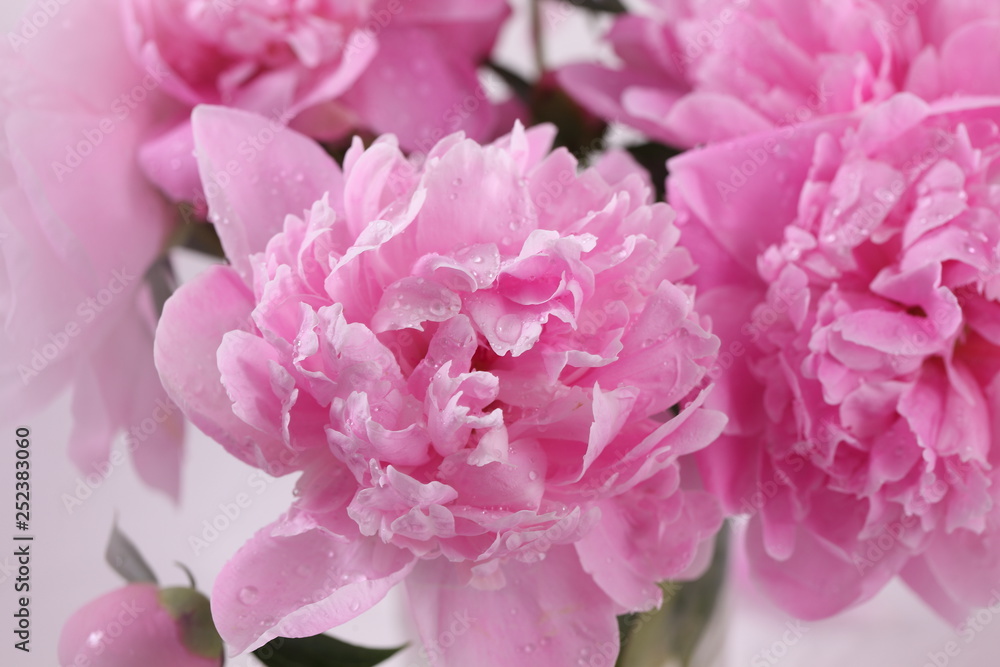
x=553, y=381
x=860, y=359
x=696, y=71
x=328, y=67
x=469, y=360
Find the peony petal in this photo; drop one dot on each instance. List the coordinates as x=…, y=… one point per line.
x=255, y=172
x=292, y=581
x=217, y=302
x=546, y=612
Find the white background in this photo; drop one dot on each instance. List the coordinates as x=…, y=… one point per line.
x=894, y=630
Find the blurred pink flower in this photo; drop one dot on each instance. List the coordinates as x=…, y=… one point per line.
x=141, y=625
x=851, y=268
x=80, y=227
x=328, y=67
x=710, y=70
x=467, y=360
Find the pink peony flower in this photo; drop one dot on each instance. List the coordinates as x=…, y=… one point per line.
x=325, y=66
x=853, y=275
x=467, y=360
x=79, y=227
x=142, y=625
x=710, y=70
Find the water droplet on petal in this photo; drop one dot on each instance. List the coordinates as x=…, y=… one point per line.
x=249, y=595
x=509, y=328
x=532, y=475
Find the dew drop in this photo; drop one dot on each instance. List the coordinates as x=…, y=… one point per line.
x=509, y=328
x=249, y=595
x=453, y=196
x=355, y=605
x=528, y=648
x=532, y=475
x=457, y=182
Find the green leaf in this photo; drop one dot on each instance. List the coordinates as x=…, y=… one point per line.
x=320, y=651
x=124, y=558
x=193, y=614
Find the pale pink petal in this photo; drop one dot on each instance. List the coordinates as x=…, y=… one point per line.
x=548, y=612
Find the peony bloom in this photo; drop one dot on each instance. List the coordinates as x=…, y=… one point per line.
x=696, y=71
x=470, y=361
x=79, y=227
x=860, y=363
x=142, y=625
x=325, y=66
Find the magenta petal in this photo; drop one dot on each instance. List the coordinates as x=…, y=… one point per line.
x=548, y=612
x=294, y=580
x=255, y=172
